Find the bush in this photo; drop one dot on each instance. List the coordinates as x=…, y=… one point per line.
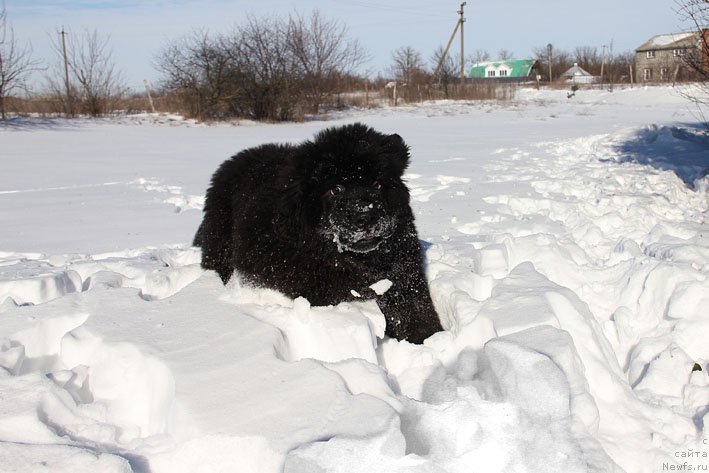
x=267, y=69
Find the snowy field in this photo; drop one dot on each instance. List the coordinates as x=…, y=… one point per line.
x=568, y=258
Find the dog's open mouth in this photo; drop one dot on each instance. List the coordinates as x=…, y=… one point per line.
x=360, y=243
x=359, y=240
x=367, y=243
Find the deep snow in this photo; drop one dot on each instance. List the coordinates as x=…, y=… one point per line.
x=567, y=256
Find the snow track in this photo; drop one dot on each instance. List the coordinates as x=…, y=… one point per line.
x=568, y=263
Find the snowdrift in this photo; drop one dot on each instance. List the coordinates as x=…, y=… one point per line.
x=567, y=255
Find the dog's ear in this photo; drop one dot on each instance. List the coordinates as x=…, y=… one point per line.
x=397, y=152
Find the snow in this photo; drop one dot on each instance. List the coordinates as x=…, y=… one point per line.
x=665, y=39
x=566, y=252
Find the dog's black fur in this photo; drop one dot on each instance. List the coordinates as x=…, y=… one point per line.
x=324, y=220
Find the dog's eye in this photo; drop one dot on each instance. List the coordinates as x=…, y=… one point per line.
x=336, y=190
x=377, y=185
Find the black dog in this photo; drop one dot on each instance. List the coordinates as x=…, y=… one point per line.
x=324, y=220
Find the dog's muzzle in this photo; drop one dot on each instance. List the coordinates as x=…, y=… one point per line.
x=359, y=225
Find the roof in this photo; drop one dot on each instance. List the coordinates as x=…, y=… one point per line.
x=668, y=41
x=515, y=68
x=576, y=71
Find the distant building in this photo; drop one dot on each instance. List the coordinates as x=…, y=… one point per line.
x=513, y=70
x=578, y=75
x=662, y=57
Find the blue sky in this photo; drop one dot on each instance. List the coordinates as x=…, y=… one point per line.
x=138, y=29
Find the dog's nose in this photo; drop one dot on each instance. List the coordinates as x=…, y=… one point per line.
x=364, y=213
x=364, y=218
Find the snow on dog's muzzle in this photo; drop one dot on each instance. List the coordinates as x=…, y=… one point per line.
x=359, y=225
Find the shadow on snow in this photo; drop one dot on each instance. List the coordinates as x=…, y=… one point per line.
x=34, y=124
x=682, y=149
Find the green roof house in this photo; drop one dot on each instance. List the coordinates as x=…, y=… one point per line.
x=510, y=70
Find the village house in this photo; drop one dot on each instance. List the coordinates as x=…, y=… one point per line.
x=663, y=57
x=513, y=70
x=578, y=75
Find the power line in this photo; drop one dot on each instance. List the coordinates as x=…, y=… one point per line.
x=380, y=7
x=396, y=23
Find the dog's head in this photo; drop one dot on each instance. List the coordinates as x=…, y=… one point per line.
x=346, y=187
x=356, y=216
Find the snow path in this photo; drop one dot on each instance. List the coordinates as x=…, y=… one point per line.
x=568, y=261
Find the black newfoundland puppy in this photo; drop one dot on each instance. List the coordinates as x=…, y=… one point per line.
x=324, y=220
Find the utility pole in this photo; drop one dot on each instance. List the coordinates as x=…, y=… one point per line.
x=462, y=44
x=609, y=73
x=150, y=97
x=458, y=24
x=69, y=108
x=549, y=49
x=603, y=60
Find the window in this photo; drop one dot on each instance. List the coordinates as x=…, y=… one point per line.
x=647, y=74
x=650, y=54
x=503, y=73
x=663, y=73
x=491, y=73
x=679, y=52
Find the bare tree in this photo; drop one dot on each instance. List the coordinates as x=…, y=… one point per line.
x=696, y=14
x=270, y=83
x=619, y=67
x=560, y=61
x=181, y=69
x=408, y=64
x=201, y=68
x=587, y=57
x=323, y=53
x=480, y=55
x=94, y=82
x=249, y=72
x=268, y=68
x=449, y=71
x=93, y=67
x=504, y=55
x=16, y=63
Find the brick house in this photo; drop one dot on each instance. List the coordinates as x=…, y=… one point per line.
x=662, y=57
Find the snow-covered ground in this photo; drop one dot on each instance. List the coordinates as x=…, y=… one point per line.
x=567, y=255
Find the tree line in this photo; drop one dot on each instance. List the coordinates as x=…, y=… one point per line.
x=84, y=81
x=409, y=66
x=275, y=68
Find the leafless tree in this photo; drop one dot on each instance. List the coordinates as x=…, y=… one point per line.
x=95, y=85
x=201, y=68
x=560, y=61
x=504, y=55
x=323, y=54
x=407, y=64
x=449, y=71
x=93, y=67
x=619, y=66
x=268, y=68
x=270, y=84
x=248, y=72
x=587, y=57
x=480, y=55
x=695, y=13
x=16, y=63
